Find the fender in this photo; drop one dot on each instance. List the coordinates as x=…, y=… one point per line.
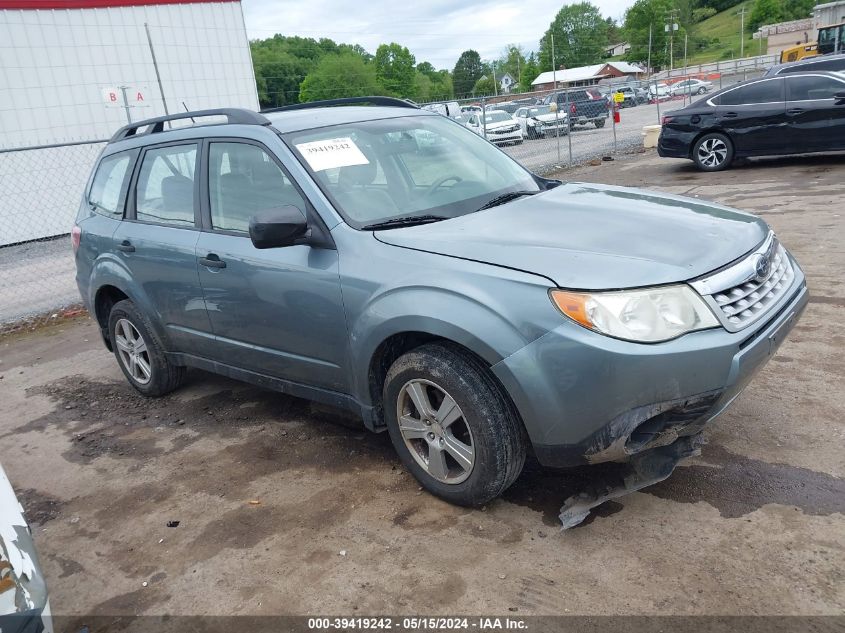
x=436, y=311
x=109, y=270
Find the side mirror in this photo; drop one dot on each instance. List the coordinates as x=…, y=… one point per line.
x=839, y=98
x=276, y=227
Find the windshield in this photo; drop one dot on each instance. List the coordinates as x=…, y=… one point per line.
x=497, y=116
x=539, y=110
x=407, y=166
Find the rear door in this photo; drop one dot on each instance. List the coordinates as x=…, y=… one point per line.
x=157, y=243
x=754, y=115
x=816, y=122
x=277, y=311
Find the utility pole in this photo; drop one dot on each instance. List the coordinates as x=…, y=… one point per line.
x=670, y=28
x=742, y=32
x=495, y=86
x=648, y=65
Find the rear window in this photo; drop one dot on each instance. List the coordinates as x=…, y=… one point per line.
x=108, y=189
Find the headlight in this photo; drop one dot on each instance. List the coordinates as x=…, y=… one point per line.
x=646, y=316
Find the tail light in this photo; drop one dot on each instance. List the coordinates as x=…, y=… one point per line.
x=666, y=119
x=573, y=109
x=75, y=237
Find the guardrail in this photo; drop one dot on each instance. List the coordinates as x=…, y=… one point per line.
x=726, y=67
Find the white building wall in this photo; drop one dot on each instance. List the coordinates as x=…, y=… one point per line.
x=54, y=66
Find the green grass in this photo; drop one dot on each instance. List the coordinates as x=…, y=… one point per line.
x=724, y=27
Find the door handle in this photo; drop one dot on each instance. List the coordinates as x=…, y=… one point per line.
x=729, y=115
x=212, y=261
x=795, y=110
x=126, y=247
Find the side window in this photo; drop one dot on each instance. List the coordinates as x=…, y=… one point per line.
x=108, y=190
x=769, y=91
x=810, y=88
x=165, y=189
x=242, y=181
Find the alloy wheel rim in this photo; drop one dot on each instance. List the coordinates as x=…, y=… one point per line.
x=712, y=152
x=435, y=431
x=133, y=352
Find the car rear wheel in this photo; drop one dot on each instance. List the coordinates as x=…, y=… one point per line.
x=713, y=152
x=452, y=426
x=139, y=352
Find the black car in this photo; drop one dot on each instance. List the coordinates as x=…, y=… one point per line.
x=797, y=113
x=825, y=63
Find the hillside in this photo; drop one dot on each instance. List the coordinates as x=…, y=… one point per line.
x=717, y=38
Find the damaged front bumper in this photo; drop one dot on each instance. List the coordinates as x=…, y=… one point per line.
x=586, y=398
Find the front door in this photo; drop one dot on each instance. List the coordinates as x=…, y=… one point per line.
x=816, y=122
x=277, y=311
x=157, y=244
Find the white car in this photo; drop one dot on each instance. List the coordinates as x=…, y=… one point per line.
x=659, y=92
x=541, y=120
x=690, y=87
x=497, y=126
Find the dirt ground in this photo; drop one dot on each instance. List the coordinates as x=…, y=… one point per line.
x=284, y=507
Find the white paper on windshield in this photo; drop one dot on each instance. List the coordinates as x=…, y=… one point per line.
x=330, y=153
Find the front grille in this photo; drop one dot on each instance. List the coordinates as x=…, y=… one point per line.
x=742, y=294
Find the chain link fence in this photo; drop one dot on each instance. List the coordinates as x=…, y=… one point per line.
x=40, y=191
x=41, y=186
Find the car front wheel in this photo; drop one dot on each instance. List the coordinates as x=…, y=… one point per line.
x=139, y=352
x=452, y=426
x=599, y=122
x=713, y=152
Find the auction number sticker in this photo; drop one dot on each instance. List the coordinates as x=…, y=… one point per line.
x=331, y=153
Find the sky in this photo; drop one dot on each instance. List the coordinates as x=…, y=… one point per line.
x=437, y=31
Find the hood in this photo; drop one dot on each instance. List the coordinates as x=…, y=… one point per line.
x=594, y=237
x=550, y=117
x=496, y=125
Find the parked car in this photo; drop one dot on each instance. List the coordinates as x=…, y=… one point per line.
x=690, y=87
x=796, y=113
x=659, y=92
x=450, y=108
x=507, y=106
x=586, y=105
x=444, y=293
x=471, y=108
x=497, y=126
x=631, y=98
x=826, y=63
x=540, y=121
x=24, y=604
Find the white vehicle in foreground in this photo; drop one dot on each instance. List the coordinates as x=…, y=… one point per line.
x=541, y=120
x=23, y=592
x=497, y=126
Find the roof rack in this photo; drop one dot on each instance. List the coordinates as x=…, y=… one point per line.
x=378, y=101
x=156, y=125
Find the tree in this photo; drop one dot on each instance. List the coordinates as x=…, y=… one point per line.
x=529, y=73
x=468, y=70
x=483, y=87
x=580, y=35
x=394, y=65
x=512, y=62
x=638, y=18
x=342, y=75
x=426, y=69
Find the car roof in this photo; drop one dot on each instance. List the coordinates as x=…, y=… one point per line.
x=778, y=69
x=310, y=118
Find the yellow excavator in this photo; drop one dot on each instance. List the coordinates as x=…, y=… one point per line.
x=831, y=39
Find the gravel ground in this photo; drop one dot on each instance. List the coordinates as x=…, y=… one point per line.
x=289, y=508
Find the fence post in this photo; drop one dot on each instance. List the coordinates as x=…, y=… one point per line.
x=568, y=130
x=613, y=112
x=484, y=115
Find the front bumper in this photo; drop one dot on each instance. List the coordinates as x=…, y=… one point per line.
x=588, y=398
x=504, y=137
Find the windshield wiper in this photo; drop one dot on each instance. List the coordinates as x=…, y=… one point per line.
x=406, y=221
x=505, y=197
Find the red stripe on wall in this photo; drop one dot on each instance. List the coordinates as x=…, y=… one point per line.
x=94, y=4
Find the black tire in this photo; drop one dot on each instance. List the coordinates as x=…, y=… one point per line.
x=713, y=152
x=701, y=91
x=495, y=431
x=164, y=376
x=599, y=122
x=532, y=134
